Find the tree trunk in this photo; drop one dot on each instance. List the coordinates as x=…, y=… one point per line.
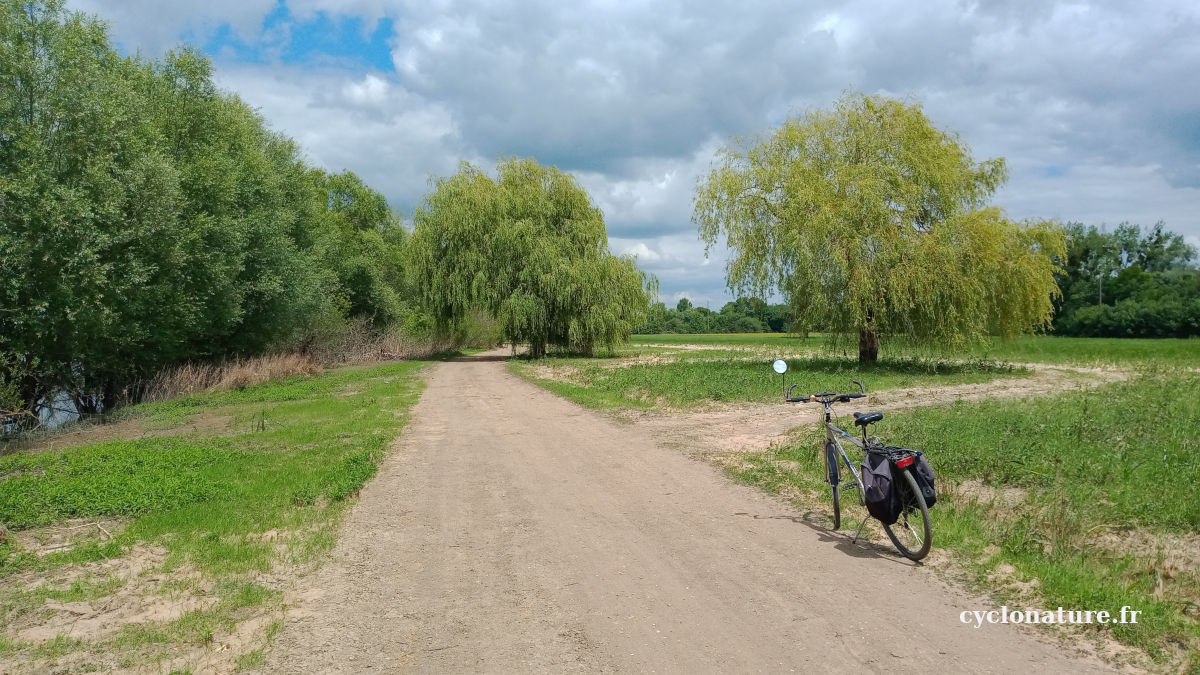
x=31, y=396
x=868, y=341
x=108, y=396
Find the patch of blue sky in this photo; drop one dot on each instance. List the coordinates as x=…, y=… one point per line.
x=325, y=38
x=1054, y=171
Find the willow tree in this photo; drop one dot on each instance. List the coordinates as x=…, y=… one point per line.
x=529, y=248
x=873, y=222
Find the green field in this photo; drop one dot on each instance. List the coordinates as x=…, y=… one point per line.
x=1026, y=349
x=261, y=492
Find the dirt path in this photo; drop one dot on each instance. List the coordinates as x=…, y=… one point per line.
x=752, y=427
x=513, y=531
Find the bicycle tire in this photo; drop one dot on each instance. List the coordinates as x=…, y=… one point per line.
x=915, y=502
x=832, y=474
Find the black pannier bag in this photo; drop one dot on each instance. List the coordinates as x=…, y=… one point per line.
x=925, y=477
x=881, y=497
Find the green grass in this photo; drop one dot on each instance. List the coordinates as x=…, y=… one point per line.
x=1030, y=348
x=294, y=451
x=1120, y=457
x=693, y=381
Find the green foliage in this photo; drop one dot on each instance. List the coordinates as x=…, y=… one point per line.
x=871, y=222
x=744, y=315
x=531, y=250
x=150, y=218
x=1128, y=283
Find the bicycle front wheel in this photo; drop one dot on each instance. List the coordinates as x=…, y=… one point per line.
x=831, y=467
x=912, y=534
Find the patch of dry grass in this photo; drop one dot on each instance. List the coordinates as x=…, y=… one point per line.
x=196, y=378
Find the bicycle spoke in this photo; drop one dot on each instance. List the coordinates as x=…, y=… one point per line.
x=916, y=535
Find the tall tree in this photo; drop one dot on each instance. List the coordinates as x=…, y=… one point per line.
x=871, y=221
x=529, y=248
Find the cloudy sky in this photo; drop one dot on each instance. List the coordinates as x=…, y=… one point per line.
x=1095, y=105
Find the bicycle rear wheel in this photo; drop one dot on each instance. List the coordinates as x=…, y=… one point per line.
x=912, y=535
x=831, y=468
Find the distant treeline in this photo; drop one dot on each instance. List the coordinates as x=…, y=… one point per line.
x=744, y=315
x=1131, y=282
x=148, y=219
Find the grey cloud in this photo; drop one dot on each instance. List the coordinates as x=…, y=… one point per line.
x=396, y=141
x=583, y=90
x=681, y=266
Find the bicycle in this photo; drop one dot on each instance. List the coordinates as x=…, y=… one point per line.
x=912, y=533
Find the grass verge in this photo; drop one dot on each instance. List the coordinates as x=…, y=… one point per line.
x=220, y=513
x=1084, y=500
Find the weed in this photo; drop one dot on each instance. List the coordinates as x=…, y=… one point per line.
x=252, y=660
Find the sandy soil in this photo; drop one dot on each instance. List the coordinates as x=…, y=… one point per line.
x=513, y=531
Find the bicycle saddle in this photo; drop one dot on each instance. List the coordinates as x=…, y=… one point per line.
x=863, y=419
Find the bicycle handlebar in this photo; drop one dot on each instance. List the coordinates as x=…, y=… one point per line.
x=826, y=396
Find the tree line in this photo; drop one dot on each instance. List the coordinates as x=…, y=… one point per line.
x=744, y=315
x=1131, y=282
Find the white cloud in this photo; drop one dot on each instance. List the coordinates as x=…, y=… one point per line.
x=371, y=91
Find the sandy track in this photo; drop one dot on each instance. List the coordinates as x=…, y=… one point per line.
x=513, y=531
x=751, y=427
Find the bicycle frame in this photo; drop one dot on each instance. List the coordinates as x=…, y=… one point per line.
x=833, y=473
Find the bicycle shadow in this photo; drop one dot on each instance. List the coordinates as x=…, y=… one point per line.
x=842, y=540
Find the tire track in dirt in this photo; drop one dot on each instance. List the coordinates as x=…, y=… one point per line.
x=755, y=427
x=513, y=531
